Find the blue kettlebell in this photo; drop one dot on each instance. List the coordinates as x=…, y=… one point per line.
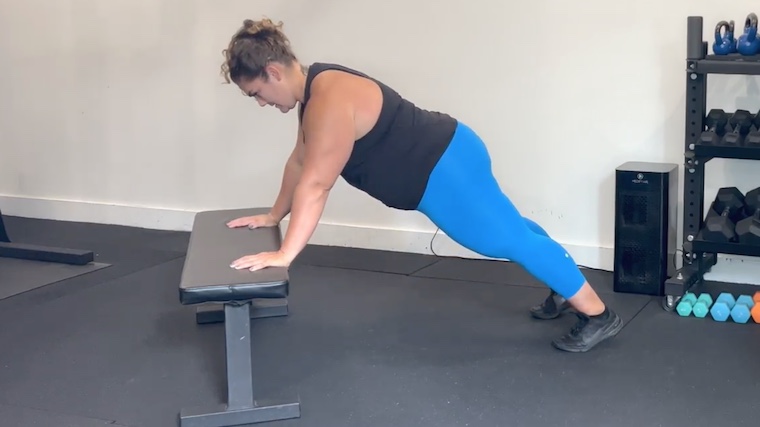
x=748, y=43
x=724, y=43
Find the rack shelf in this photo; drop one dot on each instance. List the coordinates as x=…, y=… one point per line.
x=700, y=245
x=700, y=255
x=725, y=64
x=747, y=152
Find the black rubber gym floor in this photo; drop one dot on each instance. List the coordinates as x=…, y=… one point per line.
x=373, y=339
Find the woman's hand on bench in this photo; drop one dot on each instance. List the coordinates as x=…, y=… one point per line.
x=262, y=260
x=255, y=221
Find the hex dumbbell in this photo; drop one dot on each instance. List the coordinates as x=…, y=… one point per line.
x=755, y=312
x=748, y=229
x=741, y=122
x=690, y=304
x=742, y=310
x=702, y=306
x=753, y=137
x=722, y=307
x=716, y=121
x=725, y=210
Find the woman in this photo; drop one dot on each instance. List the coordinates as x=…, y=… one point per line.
x=354, y=126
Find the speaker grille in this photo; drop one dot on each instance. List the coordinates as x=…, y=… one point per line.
x=637, y=267
x=642, y=212
x=635, y=209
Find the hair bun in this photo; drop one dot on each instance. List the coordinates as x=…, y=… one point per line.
x=248, y=23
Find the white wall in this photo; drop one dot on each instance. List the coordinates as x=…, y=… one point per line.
x=115, y=112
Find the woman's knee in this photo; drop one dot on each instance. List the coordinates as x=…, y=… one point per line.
x=518, y=246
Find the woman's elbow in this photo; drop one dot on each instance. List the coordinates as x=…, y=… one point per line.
x=316, y=185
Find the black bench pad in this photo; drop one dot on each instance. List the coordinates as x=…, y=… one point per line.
x=207, y=275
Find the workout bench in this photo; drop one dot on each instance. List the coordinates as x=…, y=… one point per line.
x=234, y=297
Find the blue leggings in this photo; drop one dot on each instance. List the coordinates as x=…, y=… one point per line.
x=464, y=200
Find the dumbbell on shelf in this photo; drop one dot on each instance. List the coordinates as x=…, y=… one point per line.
x=741, y=124
x=690, y=304
x=715, y=121
x=721, y=218
x=748, y=229
x=753, y=137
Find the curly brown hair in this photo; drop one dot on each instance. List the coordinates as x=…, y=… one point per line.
x=254, y=46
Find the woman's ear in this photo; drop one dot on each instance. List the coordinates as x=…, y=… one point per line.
x=273, y=72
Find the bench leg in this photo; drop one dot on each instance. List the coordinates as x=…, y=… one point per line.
x=214, y=313
x=241, y=408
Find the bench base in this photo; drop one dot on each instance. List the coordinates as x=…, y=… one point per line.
x=241, y=407
x=214, y=313
x=222, y=415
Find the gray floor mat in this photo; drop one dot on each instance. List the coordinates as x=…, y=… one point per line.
x=18, y=276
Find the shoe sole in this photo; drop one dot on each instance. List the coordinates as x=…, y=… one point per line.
x=541, y=315
x=611, y=332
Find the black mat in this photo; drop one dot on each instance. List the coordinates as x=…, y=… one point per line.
x=364, y=259
x=685, y=371
x=19, y=416
x=504, y=272
x=434, y=352
x=18, y=276
x=360, y=348
x=116, y=351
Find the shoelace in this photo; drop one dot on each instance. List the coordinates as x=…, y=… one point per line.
x=582, y=322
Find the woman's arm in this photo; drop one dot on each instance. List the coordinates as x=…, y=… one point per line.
x=290, y=177
x=329, y=135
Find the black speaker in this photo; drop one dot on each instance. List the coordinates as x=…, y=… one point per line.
x=646, y=207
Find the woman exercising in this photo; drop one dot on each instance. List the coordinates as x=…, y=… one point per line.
x=354, y=126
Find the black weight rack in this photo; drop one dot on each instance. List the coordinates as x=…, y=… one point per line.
x=700, y=255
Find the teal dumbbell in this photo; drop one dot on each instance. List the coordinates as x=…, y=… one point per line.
x=702, y=306
x=741, y=311
x=685, y=306
x=722, y=307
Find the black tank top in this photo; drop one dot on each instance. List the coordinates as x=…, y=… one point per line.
x=393, y=162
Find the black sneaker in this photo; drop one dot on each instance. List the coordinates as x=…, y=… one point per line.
x=590, y=331
x=553, y=306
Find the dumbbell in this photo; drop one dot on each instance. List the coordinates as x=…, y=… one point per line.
x=748, y=229
x=691, y=304
x=755, y=312
x=715, y=121
x=741, y=122
x=741, y=311
x=753, y=137
x=722, y=307
x=720, y=221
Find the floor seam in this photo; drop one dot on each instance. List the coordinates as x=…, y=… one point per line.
x=70, y=414
x=412, y=274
